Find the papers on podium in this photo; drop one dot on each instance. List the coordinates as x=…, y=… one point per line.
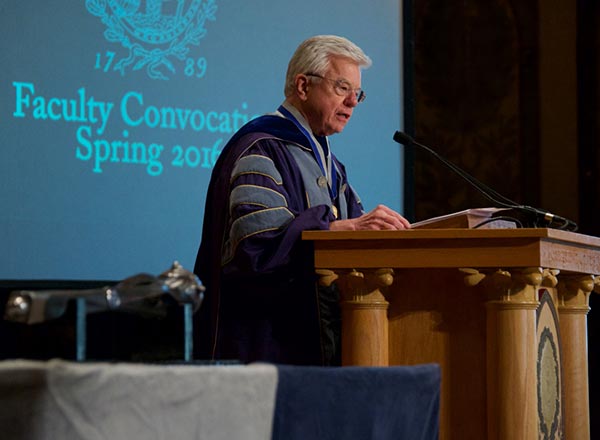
x=467, y=219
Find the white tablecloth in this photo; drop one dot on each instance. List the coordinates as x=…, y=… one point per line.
x=58, y=400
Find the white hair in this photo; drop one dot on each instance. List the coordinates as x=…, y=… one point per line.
x=314, y=54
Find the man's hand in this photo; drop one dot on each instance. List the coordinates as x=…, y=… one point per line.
x=379, y=218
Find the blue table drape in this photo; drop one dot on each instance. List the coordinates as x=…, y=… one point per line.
x=357, y=403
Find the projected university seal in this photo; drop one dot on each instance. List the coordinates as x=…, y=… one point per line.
x=154, y=32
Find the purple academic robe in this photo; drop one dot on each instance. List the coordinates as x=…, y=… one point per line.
x=261, y=300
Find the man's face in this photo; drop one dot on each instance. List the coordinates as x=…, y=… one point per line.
x=325, y=110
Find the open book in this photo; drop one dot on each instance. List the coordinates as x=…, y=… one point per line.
x=467, y=219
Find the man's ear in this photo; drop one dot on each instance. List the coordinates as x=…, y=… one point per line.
x=302, y=85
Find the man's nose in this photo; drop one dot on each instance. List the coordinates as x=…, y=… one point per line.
x=351, y=100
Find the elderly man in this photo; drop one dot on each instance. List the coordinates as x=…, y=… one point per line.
x=275, y=178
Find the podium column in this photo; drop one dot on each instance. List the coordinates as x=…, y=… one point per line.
x=512, y=353
x=365, y=339
x=573, y=307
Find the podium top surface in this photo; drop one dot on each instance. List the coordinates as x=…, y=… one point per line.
x=439, y=248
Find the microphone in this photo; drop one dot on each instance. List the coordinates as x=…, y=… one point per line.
x=539, y=216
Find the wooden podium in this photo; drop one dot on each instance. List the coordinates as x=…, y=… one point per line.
x=503, y=311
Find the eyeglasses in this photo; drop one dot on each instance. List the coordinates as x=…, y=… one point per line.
x=343, y=88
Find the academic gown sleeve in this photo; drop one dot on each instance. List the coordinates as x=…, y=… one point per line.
x=268, y=211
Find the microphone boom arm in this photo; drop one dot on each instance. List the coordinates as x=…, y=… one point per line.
x=489, y=193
